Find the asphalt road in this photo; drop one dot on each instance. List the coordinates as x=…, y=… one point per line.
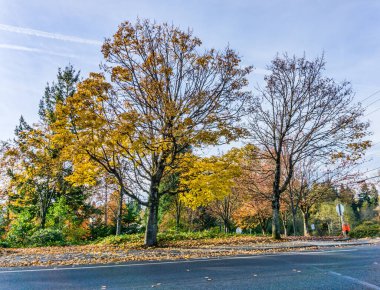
x=346, y=268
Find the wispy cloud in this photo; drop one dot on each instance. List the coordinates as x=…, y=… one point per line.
x=31, y=49
x=40, y=33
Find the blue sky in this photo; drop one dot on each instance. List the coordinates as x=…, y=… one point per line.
x=37, y=37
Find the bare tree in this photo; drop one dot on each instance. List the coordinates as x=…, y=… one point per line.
x=301, y=113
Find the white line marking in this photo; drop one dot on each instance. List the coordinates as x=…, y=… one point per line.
x=171, y=262
x=369, y=285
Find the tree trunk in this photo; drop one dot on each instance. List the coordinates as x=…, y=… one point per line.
x=153, y=203
x=294, y=212
x=294, y=223
x=263, y=226
x=177, y=220
x=328, y=228
x=306, y=232
x=119, y=214
x=284, y=223
x=106, y=207
x=43, y=218
x=152, y=225
x=178, y=213
x=43, y=211
x=226, y=226
x=276, y=227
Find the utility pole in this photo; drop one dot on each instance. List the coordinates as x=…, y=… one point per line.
x=340, y=211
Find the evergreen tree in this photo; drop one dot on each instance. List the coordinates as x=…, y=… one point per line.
x=36, y=167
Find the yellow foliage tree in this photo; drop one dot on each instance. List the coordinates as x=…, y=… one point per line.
x=158, y=96
x=210, y=181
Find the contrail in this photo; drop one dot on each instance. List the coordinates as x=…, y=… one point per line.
x=31, y=49
x=40, y=33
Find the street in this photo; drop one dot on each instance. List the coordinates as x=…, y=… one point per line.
x=343, y=268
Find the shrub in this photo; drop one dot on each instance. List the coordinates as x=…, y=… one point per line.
x=178, y=236
x=163, y=237
x=4, y=244
x=101, y=231
x=47, y=237
x=20, y=229
x=76, y=233
x=121, y=239
x=366, y=229
x=134, y=228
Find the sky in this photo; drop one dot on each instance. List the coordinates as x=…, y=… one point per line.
x=37, y=37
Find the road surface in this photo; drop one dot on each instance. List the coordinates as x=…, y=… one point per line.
x=345, y=268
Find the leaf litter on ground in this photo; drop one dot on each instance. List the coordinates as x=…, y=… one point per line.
x=103, y=252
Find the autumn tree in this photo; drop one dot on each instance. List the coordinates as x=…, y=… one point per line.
x=253, y=189
x=254, y=210
x=209, y=182
x=302, y=113
x=33, y=163
x=159, y=94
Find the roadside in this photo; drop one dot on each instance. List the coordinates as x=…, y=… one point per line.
x=173, y=250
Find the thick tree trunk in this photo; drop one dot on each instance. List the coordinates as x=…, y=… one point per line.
x=276, y=227
x=119, y=214
x=152, y=225
x=306, y=232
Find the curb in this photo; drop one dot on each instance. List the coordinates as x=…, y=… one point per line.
x=299, y=246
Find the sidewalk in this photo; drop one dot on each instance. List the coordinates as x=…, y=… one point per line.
x=305, y=244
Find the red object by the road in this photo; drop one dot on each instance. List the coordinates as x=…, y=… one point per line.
x=346, y=228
